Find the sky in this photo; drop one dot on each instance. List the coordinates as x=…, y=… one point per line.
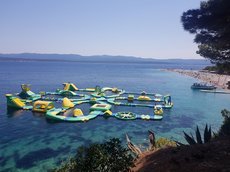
x=140, y=28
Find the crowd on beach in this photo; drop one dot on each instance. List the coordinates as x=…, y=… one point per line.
x=205, y=76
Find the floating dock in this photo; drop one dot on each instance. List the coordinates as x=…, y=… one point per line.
x=216, y=91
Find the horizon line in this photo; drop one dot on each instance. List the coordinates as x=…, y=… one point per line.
x=148, y=58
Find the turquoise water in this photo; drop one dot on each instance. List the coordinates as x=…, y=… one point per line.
x=29, y=142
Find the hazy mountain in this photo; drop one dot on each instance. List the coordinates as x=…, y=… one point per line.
x=96, y=58
x=155, y=63
x=67, y=57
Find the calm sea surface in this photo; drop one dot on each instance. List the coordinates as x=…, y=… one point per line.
x=29, y=142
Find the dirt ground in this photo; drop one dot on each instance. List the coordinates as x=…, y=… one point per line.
x=209, y=157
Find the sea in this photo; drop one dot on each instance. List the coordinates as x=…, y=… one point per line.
x=30, y=142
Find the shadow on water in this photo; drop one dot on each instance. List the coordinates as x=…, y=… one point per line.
x=38, y=114
x=11, y=112
x=52, y=121
x=30, y=159
x=186, y=122
x=3, y=161
x=179, y=122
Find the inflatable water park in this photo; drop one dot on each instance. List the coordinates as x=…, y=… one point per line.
x=64, y=104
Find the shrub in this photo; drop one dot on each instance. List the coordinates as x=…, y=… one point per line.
x=211, y=68
x=225, y=127
x=106, y=157
x=163, y=142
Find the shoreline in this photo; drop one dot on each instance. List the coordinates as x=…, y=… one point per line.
x=218, y=80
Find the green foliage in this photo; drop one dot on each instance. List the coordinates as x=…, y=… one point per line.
x=106, y=157
x=219, y=68
x=225, y=128
x=67, y=166
x=223, y=68
x=207, y=136
x=211, y=26
x=211, y=68
x=163, y=142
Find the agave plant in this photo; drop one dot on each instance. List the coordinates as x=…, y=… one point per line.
x=207, y=136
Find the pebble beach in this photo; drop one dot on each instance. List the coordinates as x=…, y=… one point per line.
x=216, y=79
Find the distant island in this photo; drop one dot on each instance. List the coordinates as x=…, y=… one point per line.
x=96, y=58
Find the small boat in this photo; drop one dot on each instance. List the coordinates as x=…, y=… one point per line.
x=203, y=86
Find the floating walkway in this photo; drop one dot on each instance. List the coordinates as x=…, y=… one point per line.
x=216, y=91
x=101, y=101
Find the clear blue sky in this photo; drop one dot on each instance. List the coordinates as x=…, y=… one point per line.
x=142, y=28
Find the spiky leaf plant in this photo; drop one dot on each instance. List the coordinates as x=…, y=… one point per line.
x=207, y=136
x=198, y=136
x=189, y=139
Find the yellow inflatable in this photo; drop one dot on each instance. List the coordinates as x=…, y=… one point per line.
x=158, y=110
x=145, y=117
x=77, y=112
x=144, y=98
x=42, y=106
x=66, y=103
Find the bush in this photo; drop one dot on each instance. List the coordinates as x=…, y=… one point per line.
x=225, y=127
x=210, y=68
x=163, y=142
x=220, y=68
x=106, y=157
